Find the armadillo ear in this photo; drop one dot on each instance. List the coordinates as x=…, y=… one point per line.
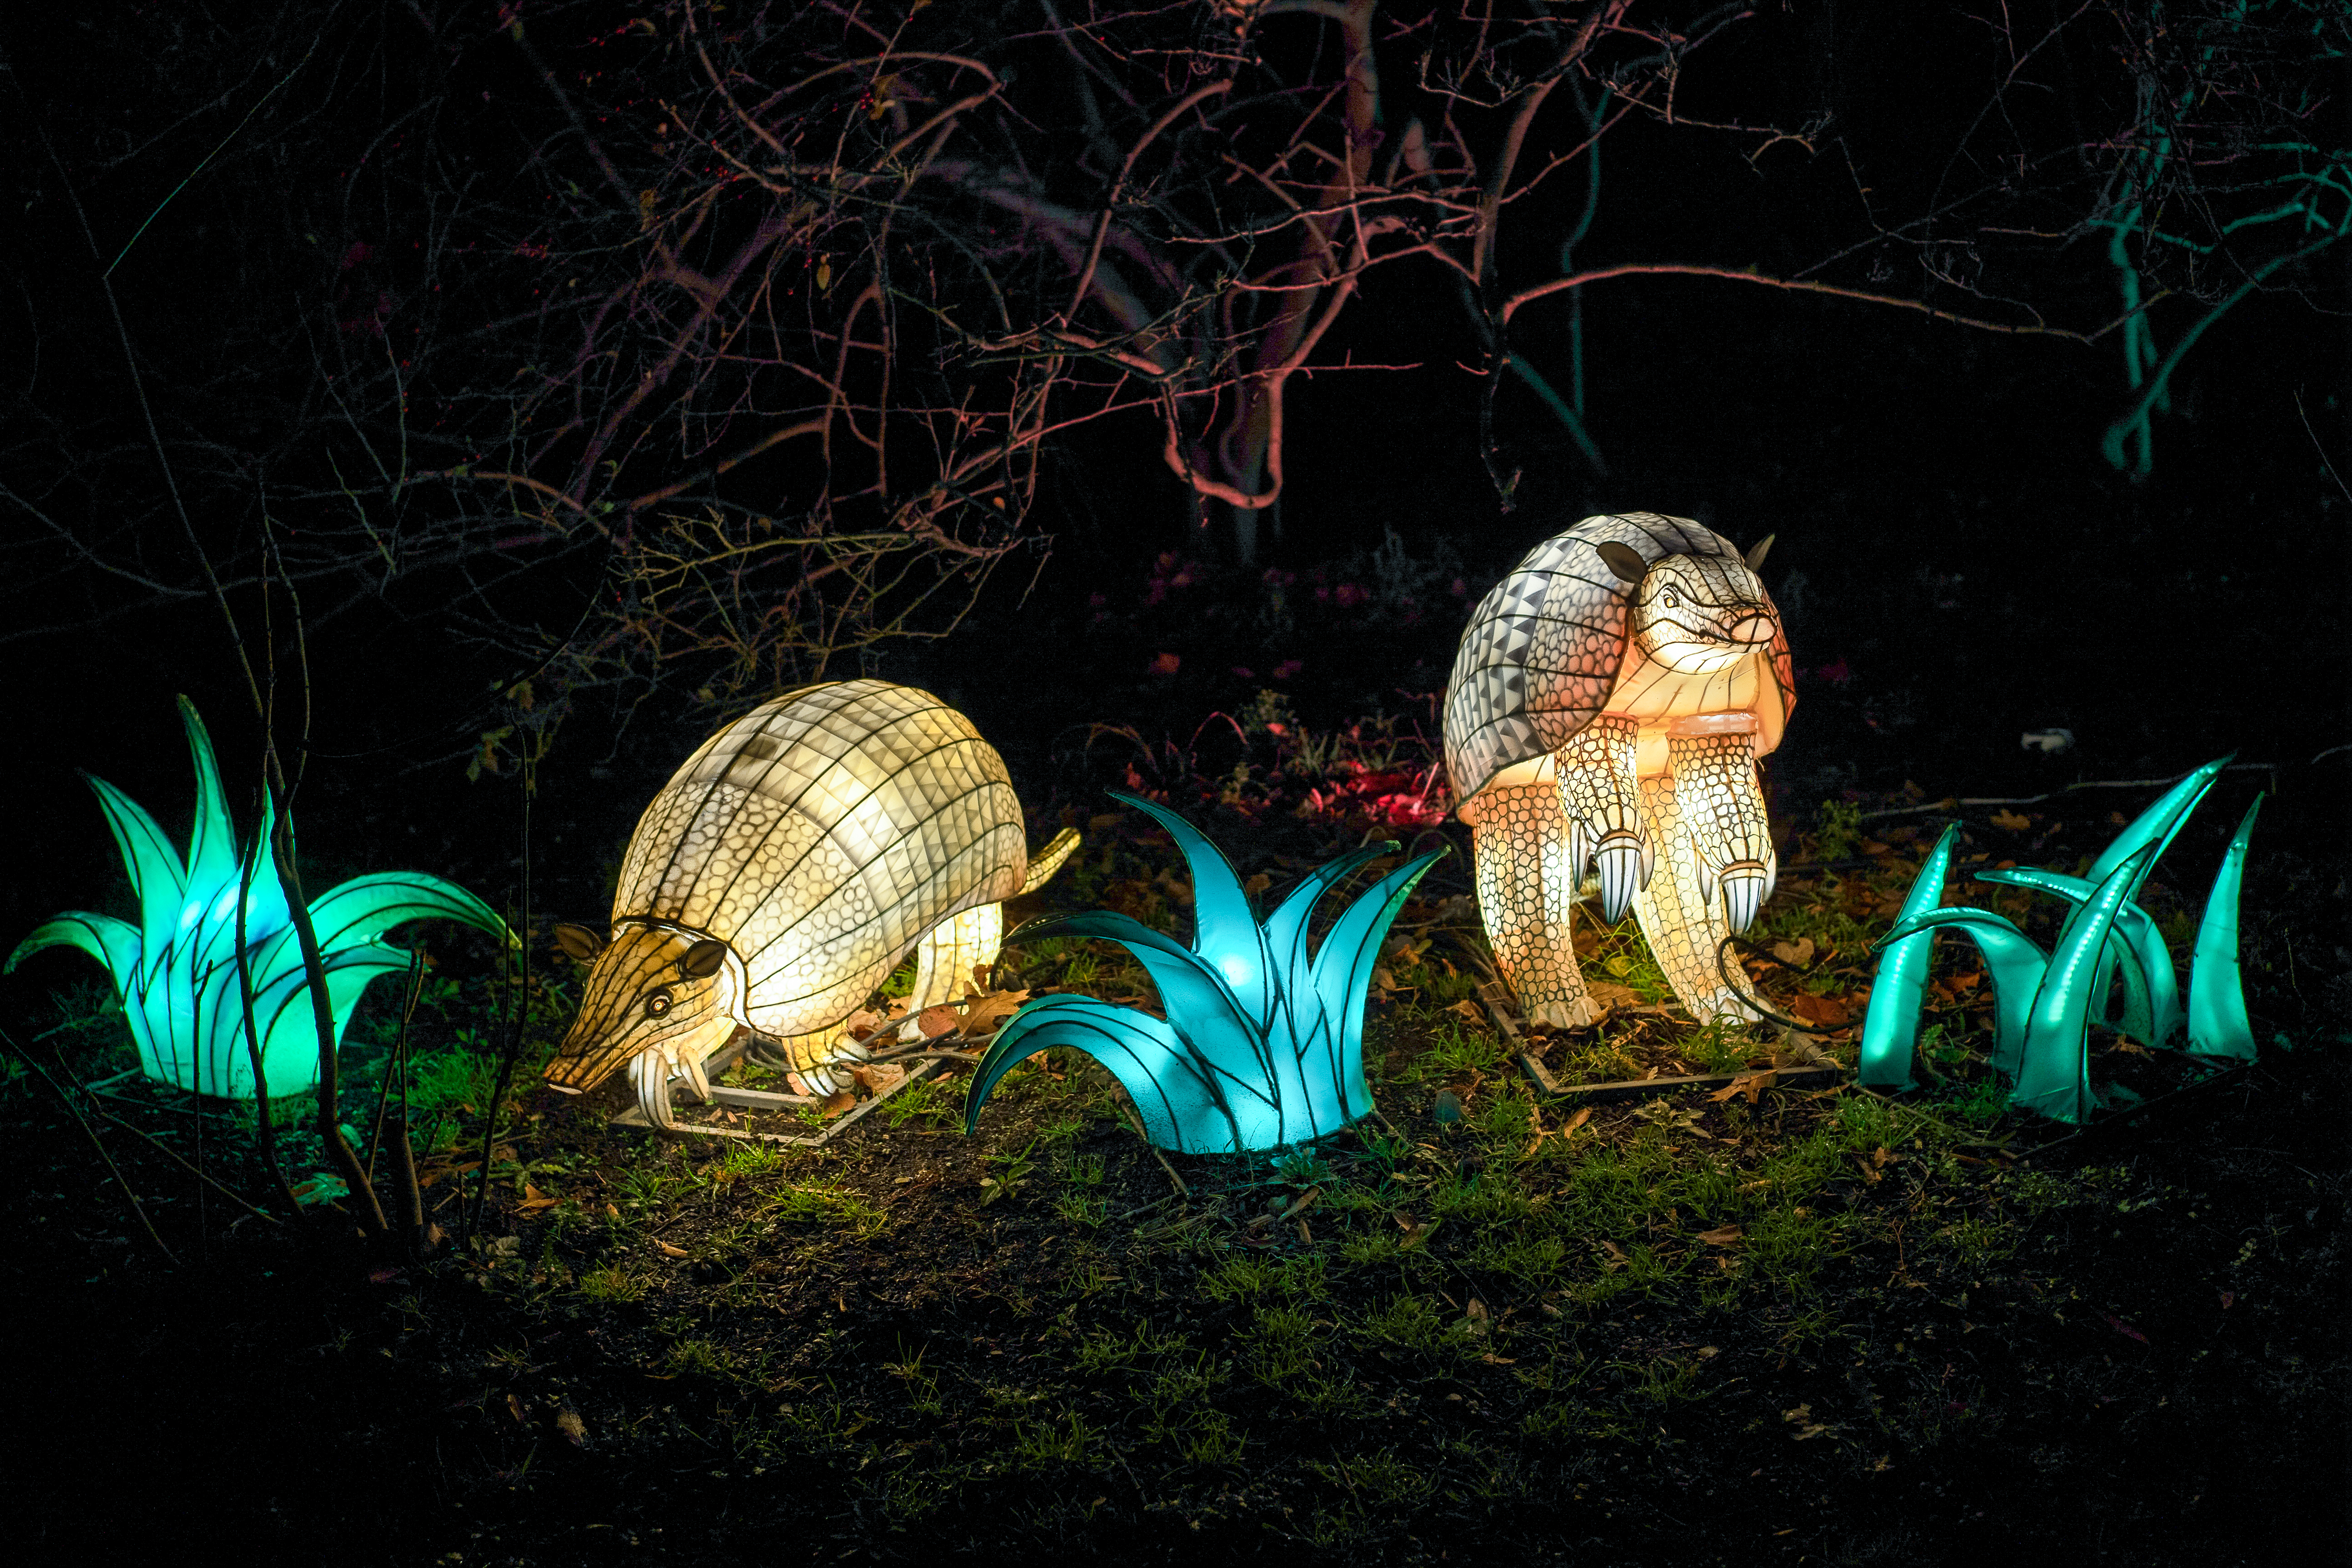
x=1754, y=559
x=704, y=959
x=578, y=942
x=1622, y=559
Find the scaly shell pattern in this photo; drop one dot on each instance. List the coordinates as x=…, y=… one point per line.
x=1546, y=650
x=821, y=835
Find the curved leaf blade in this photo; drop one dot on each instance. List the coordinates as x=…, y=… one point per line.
x=1890, y=1027
x=1183, y=1105
x=2217, y=1024
x=2054, y=1077
x=1226, y=932
x=2015, y=964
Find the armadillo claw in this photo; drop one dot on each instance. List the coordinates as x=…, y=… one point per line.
x=649, y=1075
x=1624, y=864
x=1746, y=885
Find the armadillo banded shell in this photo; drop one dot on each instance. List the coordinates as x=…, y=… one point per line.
x=821, y=835
x=1544, y=648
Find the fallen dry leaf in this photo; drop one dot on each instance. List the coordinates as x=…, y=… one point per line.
x=1821, y=1012
x=1797, y=953
x=667, y=1250
x=533, y=1200
x=2010, y=821
x=574, y=1430
x=1722, y=1235
x=933, y=1022
x=833, y=1104
x=982, y=1014
x=1751, y=1084
x=877, y=1077
x=1469, y=1010
x=1616, y=1252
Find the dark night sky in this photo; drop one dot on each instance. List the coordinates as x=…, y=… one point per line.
x=1948, y=531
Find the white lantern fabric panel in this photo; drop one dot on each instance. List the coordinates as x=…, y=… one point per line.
x=821, y=835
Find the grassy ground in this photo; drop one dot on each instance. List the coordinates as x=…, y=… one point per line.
x=1793, y=1327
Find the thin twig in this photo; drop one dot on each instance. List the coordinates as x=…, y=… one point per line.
x=228, y=1193
x=92, y=1134
x=1953, y=802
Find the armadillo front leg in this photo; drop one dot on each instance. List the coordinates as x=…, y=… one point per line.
x=946, y=958
x=1713, y=757
x=1603, y=803
x=1524, y=892
x=1683, y=929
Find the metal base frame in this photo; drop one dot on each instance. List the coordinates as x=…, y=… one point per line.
x=1498, y=1004
x=728, y=1095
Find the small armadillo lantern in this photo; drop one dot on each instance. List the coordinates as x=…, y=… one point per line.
x=1607, y=705
x=783, y=872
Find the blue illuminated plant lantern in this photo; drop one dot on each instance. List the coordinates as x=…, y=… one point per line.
x=1263, y=1046
x=2045, y=1002
x=177, y=968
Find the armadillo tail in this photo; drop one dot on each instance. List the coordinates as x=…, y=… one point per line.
x=1048, y=861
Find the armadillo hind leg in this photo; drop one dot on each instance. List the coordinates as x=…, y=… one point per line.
x=945, y=959
x=1683, y=929
x=817, y=1063
x=1723, y=817
x=1603, y=803
x=1525, y=894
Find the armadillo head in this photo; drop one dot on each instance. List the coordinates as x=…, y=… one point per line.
x=651, y=989
x=1699, y=614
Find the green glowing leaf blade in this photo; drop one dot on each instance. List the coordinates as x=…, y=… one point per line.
x=1185, y=1105
x=364, y=908
x=2217, y=1024
x=157, y=880
x=1286, y=928
x=114, y=943
x=2054, y=1077
x=2151, y=1008
x=212, y=839
x=2157, y=824
x=1225, y=934
x=1194, y=994
x=283, y=1014
x=1342, y=973
x=2015, y=964
x=2151, y=988
x=1890, y=1027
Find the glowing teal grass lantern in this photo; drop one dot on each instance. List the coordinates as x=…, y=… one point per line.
x=2045, y=1002
x=176, y=970
x=1262, y=1045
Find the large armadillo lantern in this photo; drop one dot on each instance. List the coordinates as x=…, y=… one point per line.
x=1607, y=707
x=783, y=872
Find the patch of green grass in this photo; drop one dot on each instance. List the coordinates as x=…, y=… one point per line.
x=614, y=1283
x=1837, y=831
x=930, y=1099
x=698, y=1358
x=1413, y=1323
x=1062, y=1440
x=1278, y=1344
x=828, y=1205
x=1242, y=1277
x=1454, y=1051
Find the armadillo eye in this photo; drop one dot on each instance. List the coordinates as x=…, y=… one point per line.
x=658, y=1003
